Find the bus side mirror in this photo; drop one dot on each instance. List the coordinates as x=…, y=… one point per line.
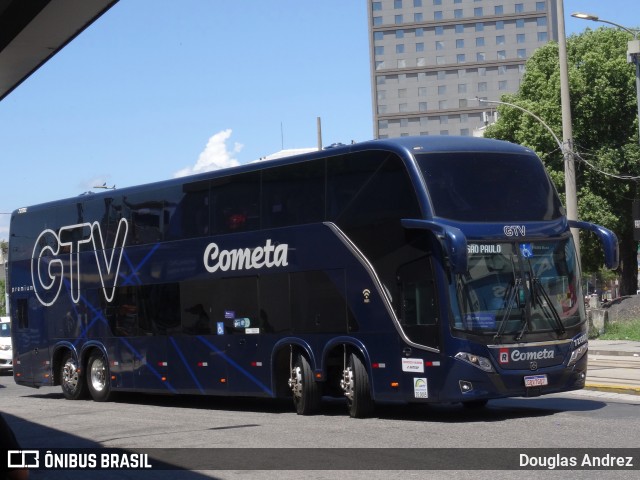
x=452, y=240
x=608, y=239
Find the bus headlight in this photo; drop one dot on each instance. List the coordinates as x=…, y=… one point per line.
x=577, y=354
x=476, y=360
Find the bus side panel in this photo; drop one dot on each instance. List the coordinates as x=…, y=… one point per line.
x=197, y=364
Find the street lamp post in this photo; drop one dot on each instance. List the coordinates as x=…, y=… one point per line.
x=633, y=51
x=528, y=112
x=567, y=152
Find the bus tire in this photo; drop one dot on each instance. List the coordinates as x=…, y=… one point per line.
x=72, y=381
x=306, y=391
x=357, y=389
x=98, y=378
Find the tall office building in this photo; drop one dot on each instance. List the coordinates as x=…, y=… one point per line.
x=430, y=59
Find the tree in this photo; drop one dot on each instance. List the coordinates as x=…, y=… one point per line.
x=604, y=115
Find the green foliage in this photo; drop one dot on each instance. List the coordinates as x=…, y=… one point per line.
x=622, y=331
x=604, y=117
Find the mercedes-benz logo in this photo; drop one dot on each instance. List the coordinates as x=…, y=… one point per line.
x=533, y=366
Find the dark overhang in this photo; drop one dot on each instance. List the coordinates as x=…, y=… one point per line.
x=33, y=31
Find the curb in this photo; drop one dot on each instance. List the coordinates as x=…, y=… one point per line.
x=614, y=353
x=604, y=387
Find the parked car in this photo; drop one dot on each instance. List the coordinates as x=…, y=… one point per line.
x=6, y=353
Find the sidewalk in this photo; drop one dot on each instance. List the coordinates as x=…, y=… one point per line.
x=614, y=366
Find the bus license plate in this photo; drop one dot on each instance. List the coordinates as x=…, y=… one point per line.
x=535, y=380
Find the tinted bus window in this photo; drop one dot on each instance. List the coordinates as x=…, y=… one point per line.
x=318, y=302
x=370, y=193
x=236, y=203
x=25, y=228
x=489, y=187
x=160, y=309
x=230, y=302
x=275, y=309
x=122, y=313
x=293, y=194
x=148, y=214
x=192, y=217
x=106, y=210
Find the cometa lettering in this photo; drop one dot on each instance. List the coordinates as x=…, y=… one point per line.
x=517, y=355
x=268, y=256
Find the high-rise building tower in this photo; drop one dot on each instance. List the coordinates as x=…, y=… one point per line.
x=430, y=59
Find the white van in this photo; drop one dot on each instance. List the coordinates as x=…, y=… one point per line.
x=6, y=353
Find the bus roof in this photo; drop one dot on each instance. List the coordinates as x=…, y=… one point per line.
x=403, y=146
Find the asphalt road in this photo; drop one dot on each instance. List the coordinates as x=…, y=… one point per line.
x=579, y=420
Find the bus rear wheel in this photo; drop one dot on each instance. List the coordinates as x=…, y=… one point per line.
x=98, y=377
x=306, y=391
x=355, y=384
x=72, y=381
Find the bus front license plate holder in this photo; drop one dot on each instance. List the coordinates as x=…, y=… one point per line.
x=535, y=381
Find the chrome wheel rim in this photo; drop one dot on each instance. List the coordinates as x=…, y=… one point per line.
x=347, y=384
x=98, y=375
x=296, y=382
x=70, y=375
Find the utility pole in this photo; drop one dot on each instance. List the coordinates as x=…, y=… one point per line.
x=567, y=133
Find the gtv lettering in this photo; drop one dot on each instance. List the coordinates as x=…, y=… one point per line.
x=514, y=230
x=54, y=252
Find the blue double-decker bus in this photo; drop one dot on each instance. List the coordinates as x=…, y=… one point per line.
x=412, y=270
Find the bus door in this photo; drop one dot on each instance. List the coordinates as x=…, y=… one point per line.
x=31, y=346
x=141, y=346
x=418, y=306
x=241, y=325
x=198, y=354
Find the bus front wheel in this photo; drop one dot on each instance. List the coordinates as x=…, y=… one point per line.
x=355, y=384
x=306, y=391
x=98, y=377
x=71, y=379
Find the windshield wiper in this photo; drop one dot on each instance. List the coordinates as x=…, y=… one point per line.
x=539, y=290
x=512, y=291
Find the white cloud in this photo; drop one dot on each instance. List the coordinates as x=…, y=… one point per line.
x=215, y=155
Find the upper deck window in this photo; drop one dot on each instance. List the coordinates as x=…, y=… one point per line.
x=489, y=187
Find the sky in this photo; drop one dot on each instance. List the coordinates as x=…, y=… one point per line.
x=157, y=89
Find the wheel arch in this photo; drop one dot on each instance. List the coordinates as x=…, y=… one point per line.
x=58, y=352
x=280, y=364
x=334, y=350
x=87, y=350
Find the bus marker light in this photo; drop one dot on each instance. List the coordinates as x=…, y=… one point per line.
x=465, y=386
x=256, y=364
x=113, y=378
x=431, y=364
x=164, y=379
x=395, y=384
x=318, y=375
x=378, y=365
x=223, y=380
x=203, y=364
x=115, y=363
x=162, y=364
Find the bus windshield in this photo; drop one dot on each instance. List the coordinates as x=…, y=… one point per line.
x=514, y=187
x=514, y=289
